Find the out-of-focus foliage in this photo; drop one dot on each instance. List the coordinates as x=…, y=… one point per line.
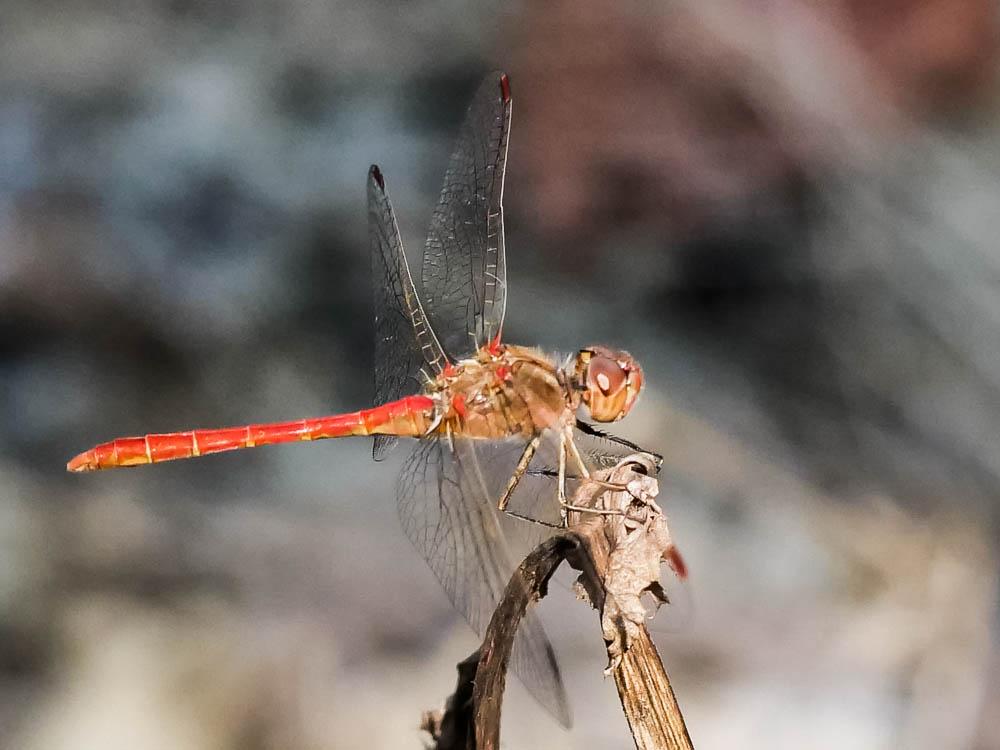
x=786, y=210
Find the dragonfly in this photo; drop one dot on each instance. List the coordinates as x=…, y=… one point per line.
x=495, y=424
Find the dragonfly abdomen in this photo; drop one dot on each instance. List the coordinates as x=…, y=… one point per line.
x=407, y=417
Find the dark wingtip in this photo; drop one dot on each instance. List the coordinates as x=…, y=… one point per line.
x=376, y=174
x=504, y=88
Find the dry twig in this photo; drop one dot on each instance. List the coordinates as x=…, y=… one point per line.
x=618, y=556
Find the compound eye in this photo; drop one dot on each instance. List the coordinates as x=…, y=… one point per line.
x=606, y=375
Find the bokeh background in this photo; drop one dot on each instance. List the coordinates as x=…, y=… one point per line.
x=788, y=211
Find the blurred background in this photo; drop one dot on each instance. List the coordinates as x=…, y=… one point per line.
x=787, y=210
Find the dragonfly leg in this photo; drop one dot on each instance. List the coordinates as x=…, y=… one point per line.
x=432, y=427
x=570, y=444
x=561, y=479
x=529, y=519
x=568, y=438
x=609, y=485
x=522, y=466
x=588, y=429
x=593, y=511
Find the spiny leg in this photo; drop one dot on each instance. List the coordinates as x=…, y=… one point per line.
x=588, y=429
x=522, y=466
x=566, y=439
x=593, y=511
x=529, y=519
x=561, y=478
x=613, y=486
x=551, y=473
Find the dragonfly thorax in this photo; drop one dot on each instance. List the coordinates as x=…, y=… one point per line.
x=503, y=391
x=609, y=382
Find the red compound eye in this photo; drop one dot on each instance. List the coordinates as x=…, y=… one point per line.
x=606, y=375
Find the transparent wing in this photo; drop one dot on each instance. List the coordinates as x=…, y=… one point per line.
x=464, y=273
x=404, y=341
x=448, y=513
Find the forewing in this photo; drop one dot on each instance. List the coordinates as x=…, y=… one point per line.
x=454, y=524
x=464, y=273
x=404, y=341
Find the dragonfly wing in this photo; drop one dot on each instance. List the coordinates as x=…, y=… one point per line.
x=464, y=273
x=447, y=514
x=404, y=341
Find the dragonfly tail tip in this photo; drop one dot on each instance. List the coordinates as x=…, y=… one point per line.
x=82, y=462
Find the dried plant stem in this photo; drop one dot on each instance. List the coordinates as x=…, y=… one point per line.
x=527, y=585
x=643, y=686
x=648, y=699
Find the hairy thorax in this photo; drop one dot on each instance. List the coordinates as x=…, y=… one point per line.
x=513, y=391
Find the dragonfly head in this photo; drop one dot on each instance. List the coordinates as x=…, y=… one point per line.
x=610, y=382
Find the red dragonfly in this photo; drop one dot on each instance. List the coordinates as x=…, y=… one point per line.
x=495, y=423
